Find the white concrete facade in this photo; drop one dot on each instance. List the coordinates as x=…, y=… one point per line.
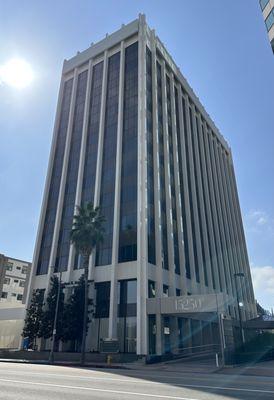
x=14, y=277
x=193, y=181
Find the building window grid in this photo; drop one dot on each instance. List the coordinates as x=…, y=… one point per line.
x=128, y=198
x=48, y=227
x=92, y=143
x=183, y=204
x=210, y=244
x=190, y=192
x=162, y=168
x=150, y=160
x=263, y=4
x=224, y=209
x=218, y=212
x=199, y=189
x=211, y=199
x=231, y=232
x=172, y=179
x=62, y=254
x=104, y=251
x=196, y=185
x=269, y=21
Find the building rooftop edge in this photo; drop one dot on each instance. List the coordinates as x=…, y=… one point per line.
x=124, y=32
x=15, y=259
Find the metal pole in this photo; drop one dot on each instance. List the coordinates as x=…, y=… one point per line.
x=51, y=354
x=240, y=274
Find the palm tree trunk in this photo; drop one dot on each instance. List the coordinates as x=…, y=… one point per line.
x=85, y=317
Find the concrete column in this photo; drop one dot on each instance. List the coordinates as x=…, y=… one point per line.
x=158, y=237
x=171, y=273
x=100, y=152
x=207, y=207
x=200, y=200
x=228, y=221
x=193, y=192
x=250, y=293
x=214, y=211
x=245, y=283
x=142, y=286
x=112, y=330
x=186, y=189
x=81, y=163
x=216, y=182
x=177, y=188
x=45, y=194
x=63, y=181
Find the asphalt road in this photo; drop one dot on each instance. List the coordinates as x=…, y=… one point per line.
x=43, y=382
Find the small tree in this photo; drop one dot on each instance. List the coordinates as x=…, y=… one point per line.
x=34, y=317
x=73, y=315
x=49, y=312
x=87, y=232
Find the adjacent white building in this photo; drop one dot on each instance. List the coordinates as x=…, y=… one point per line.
x=14, y=279
x=131, y=136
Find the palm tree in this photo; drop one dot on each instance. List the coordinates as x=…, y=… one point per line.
x=87, y=232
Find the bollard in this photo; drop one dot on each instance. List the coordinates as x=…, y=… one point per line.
x=217, y=360
x=109, y=359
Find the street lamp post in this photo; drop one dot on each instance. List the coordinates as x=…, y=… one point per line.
x=51, y=354
x=241, y=275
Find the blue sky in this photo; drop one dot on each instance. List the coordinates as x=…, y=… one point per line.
x=223, y=51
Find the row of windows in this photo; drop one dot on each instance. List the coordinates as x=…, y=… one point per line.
x=16, y=296
x=127, y=299
x=172, y=180
x=162, y=168
x=104, y=252
x=61, y=262
x=269, y=22
x=150, y=161
x=263, y=4
x=47, y=234
x=128, y=196
x=9, y=281
x=92, y=141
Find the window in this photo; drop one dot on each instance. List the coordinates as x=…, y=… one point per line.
x=13, y=295
x=25, y=270
x=270, y=20
x=7, y=281
x=263, y=3
x=151, y=289
x=16, y=281
x=127, y=298
x=22, y=283
x=178, y=292
x=18, y=268
x=20, y=297
x=165, y=290
x=102, y=299
x=9, y=266
x=4, y=295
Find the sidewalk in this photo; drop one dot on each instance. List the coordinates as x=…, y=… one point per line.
x=265, y=368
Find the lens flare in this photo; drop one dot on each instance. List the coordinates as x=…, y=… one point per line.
x=16, y=73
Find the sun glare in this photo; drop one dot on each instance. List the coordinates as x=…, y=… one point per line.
x=16, y=73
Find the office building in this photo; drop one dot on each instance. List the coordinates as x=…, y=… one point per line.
x=267, y=7
x=132, y=137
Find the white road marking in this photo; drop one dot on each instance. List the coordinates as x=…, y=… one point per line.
x=142, y=379
x=146, y=394
x=158, y=396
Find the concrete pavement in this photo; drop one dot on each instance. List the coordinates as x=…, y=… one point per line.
x=44, y=382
